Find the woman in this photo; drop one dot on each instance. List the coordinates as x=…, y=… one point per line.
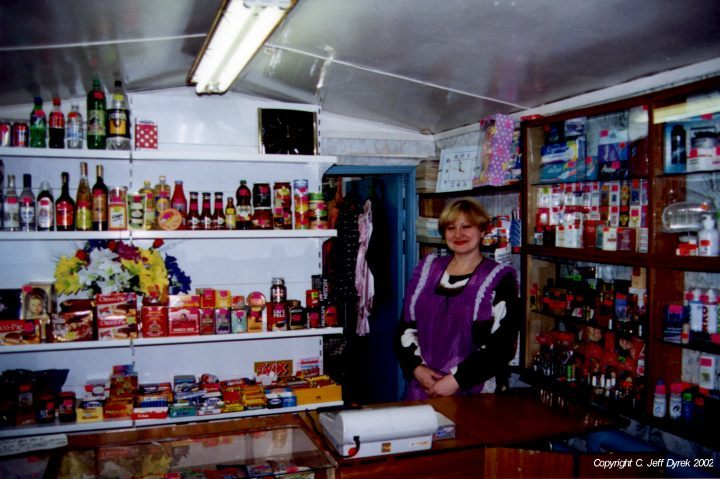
x=461, y=313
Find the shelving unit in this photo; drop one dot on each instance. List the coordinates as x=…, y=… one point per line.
x=667, y=275
x=241, y=261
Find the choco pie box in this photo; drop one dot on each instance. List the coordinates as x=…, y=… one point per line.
x=116, y=316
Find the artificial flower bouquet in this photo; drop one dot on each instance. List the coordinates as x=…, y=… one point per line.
x=112, y=266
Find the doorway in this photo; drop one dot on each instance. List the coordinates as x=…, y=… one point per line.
x=365, y=364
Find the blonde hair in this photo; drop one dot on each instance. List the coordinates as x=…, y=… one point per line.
x=474, y=212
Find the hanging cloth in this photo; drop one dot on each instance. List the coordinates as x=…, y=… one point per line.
x=364, y=281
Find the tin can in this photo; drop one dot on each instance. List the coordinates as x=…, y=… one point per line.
x=117, y=209
x=5, y=133
x=261, y=195
x=282, y=205
x=45, y=409
x=20, y=134
x=136, y=209
x=66, y=407
x=318, y=212
x=296, y=315
x=312, y=298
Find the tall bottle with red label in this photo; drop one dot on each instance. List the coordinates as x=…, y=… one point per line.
x=99, y=201
x=45, y=208
x=83, y=201
x=65, y=206
x=179, y=202
x=206, y=214
x=56, y=126
x=218, y=218
x=192, y=219
x=243, y=206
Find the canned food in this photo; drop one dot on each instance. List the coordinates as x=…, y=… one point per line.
x=20, y=134
x=282, y=205
x=45, y=408
x=312, y=298
x=136, y=209
x=5, y=133
x=66, y=407
x=261, y=195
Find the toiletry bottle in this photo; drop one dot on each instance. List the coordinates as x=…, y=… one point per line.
x=708, y=238
x=660, y=399
x=675, y=405
x=696, y=308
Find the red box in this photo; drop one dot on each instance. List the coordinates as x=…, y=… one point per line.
x=183, y=321
x=184, y=300
x=116, y=316
x=146, y=135
x=207, y=297
x=154, y=321
x=207, y=321
x=19, y=331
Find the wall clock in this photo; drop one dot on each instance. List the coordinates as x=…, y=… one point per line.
x=458, y=167
x=289, y=132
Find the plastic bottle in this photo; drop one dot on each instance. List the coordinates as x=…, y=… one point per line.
x=688, y=407
x=179, y=202
x=99, y=201
x=710, y=312
x=83, y=201
x=660, y=399
x=65, y=206
x=11, y=207
x=38, y=125
x=118, y=119
x=243, y=208
x=74, y=128
x=675, y=403
x=45, y=208
x=96, y=117
x=695, y=305
x=708, y=238
x=148, y=195
x=27, y=205
x=56, y=126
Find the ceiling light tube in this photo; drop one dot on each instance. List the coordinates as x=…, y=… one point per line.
x=238, y=32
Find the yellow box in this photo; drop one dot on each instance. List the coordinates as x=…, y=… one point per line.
x=329, y=393
x=90, y=414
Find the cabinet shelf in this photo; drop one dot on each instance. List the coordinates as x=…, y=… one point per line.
x=6, y=151
x=66, y=428
x=697, y=345
x=627, y=258
x=179, y=234
x=686, y=263
x=235, y=157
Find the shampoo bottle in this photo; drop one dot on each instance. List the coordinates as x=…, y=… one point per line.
x=708, y=238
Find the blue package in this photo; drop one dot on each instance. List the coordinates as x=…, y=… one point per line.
x=613, y=161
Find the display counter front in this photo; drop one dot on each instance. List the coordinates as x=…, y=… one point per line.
x=491, y=431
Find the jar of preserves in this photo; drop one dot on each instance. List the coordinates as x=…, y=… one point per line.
x=262, y=219
x=261, y=195
x=66, y=407
x=318, y=211
x=282, y=205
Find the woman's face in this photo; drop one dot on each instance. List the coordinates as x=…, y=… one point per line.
x=36, y=305
x=463, y=237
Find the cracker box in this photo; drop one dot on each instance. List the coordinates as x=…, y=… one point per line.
x=183, y=321
x=116, y=316
x=154, y=321
x=19, y=331
x=146, y=135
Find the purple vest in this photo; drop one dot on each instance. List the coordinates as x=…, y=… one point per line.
x=444, y=323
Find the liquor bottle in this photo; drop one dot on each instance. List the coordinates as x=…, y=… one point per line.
x=162, y=196
x=243, y=210
x=74, y=128
x=148, y=195
x=96, y=117
x=45, y=208
x=65, y=207
x=179, y=202
x=56, y=126
x=83, y=201
x=230, y=219
x=11, y=207
x=206, y=213
x=118, y=120
x=38, y=125
x=218, y=217
x=27, y=205
x=99, y=202
x=192, y=220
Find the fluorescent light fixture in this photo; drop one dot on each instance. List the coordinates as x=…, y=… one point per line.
x=239, y=30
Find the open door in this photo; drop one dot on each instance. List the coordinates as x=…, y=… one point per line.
x=365, y=365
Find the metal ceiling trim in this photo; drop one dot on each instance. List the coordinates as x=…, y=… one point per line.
x=57, y=46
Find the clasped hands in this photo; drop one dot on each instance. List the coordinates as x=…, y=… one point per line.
x=435, y=384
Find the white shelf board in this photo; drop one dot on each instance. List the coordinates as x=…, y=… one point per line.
x=235, y=415
x=179, y=234
x=240, y=157
x=63, y=235
x=8, y=151
x=59, y=427
x=68, y=346
x=216, y=338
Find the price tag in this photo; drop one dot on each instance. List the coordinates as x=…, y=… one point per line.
x=9, y=447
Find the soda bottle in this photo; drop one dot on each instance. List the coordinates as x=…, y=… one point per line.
x=99, y=202
x=230, y=219
x=218, y=217
x=74, y=128
x=179, y=202
x=11, y=207
x=243, y=209
x=65, y=207
x=162, y=196
x=118, y=120
x=38, y=125
x=96, y=117
x=45, y=208
x=206, y=214
x=27, y=205
x=192, y=220
x=83, y=202
x=148, y=194
x=56, y=126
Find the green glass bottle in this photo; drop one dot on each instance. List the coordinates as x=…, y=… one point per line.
x=96, y=117
x=38, y=125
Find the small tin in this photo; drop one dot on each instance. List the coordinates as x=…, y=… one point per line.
x=20, y=134
x=45, y=409
x=66, y=407
x=5, y=133
x=136, y=210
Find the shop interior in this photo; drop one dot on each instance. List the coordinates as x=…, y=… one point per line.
x=247, y=327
